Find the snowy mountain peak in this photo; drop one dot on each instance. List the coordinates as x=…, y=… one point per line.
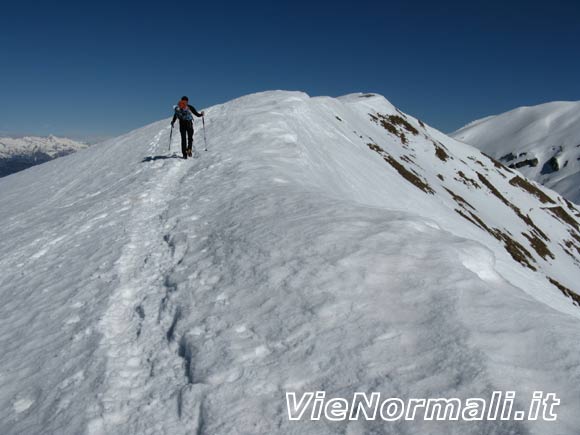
x=332, y=244
x=20, y=153
x=543, y=142
x=50, y=144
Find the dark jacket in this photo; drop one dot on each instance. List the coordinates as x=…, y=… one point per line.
x=185, y=115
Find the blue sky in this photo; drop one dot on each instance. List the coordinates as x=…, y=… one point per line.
x=98, y=69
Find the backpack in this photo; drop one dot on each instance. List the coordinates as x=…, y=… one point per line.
x=184, y=114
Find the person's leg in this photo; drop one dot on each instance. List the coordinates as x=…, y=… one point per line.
x=183, y=132
x=190, y=136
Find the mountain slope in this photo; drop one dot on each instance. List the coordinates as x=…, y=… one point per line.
x=542, y=141
x=20, y=153
x=321, y=243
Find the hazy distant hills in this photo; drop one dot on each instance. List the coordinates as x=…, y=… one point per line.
x=21, y=153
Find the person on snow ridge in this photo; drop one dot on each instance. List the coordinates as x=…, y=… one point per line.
x=184, y=112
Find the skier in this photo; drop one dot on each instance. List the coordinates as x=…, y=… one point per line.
x=185, y=113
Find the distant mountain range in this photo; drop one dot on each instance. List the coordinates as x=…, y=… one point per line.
x=21, y=153
x=542, y=142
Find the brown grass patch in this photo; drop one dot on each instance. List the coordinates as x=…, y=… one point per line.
x=467, y=181
x=493, y=189
x=571, y=245
x=530, y=188
x=408, y=175
x=459, y=199
x=395, y=125
x=440, y=153
x=574, y=235
x=571, y=207
x=516, y=210
x=516, y=250
x=375, y=147
x=539, y=246
x=567, y=292
x=561, y=214
x=402, y=122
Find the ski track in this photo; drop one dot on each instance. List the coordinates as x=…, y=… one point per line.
x=139, y=322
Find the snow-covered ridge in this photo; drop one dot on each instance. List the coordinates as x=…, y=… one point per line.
x=20, y=153
x=543, y=142
x=320, y=244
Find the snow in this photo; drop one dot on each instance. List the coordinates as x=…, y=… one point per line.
x=542, y=132
x=146, y=294
x=51, y=145
x=20, y=153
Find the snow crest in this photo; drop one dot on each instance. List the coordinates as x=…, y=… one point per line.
x=320, y=244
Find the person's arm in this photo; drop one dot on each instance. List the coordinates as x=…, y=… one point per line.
x=195, y=112
x=174, y=118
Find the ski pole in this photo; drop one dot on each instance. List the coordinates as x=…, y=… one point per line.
x=170, y=134
x=204, y=137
